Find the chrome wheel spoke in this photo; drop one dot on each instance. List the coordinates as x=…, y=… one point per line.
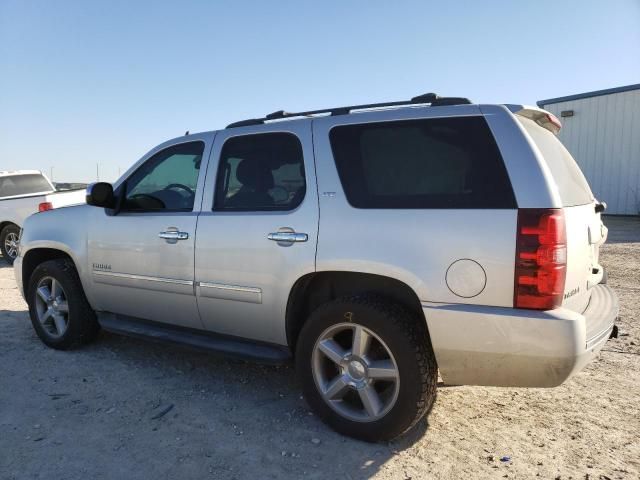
x=60, y=323
x=44, y=294
x=332, y=350
x=361, y=341
x=62, y=307
x=383, y=370
x=337, y=388
x=46, y=316
x=370, y=400
x=55, y=288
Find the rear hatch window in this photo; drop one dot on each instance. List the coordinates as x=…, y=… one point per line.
x=451, y=162
x=572, y=186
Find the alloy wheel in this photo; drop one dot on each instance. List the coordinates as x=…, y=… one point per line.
x=355, y=372
x=52, y=308
x=11, y=244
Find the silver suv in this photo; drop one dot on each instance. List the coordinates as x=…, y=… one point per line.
x=374, y=245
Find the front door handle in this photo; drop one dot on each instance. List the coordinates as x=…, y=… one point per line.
x=288, y=237
x=173, y=235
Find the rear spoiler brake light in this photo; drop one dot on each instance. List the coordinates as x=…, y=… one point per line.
x=542, y=117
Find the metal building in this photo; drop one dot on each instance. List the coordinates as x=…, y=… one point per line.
x=601, y=129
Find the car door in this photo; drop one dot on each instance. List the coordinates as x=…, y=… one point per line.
x=141, y=257
x=257, y=230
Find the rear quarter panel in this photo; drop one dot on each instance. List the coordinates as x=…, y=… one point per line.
x=16, y=210
x=413, y=246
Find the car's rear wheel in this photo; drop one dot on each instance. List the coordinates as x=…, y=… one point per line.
x=9, y=240
x=367, y=367
x=59, y=310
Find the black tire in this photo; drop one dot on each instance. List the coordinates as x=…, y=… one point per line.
x=82, y=326
x=405, y=335
x=6, y=231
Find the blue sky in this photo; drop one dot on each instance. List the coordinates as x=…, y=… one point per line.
x=101, y=82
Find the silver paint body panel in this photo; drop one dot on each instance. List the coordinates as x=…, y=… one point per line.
x=232, y=249
x=413, y=246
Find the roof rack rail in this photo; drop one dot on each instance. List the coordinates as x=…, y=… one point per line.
x=430, y=98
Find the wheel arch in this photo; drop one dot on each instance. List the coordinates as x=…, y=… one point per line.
x=35, y=257
x=6, y=223
x=314, y=289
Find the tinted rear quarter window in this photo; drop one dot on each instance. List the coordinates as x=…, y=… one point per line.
x=429, y=163
x=23, y=185
x=572, y=185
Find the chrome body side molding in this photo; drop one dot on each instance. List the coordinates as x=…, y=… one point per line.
x=230, y=292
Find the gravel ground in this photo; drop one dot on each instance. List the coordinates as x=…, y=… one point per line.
x=124, y=408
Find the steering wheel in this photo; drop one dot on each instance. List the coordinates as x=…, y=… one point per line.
x=153, y=202
x=180, y=186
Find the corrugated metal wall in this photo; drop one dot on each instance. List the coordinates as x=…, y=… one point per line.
x=604, y=138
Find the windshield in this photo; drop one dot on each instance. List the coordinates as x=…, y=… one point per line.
x=16, y=185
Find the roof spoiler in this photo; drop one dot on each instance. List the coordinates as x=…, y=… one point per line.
x=542, y=117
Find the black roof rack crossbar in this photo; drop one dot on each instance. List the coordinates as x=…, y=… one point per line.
x=431, y=98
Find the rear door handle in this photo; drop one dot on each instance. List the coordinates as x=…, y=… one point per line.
x=288, y=237
x=173, y=235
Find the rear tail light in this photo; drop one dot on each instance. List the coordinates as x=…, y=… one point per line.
x=541, y=259
x=44, y=206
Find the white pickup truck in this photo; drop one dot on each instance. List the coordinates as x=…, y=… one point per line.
x=22, y=193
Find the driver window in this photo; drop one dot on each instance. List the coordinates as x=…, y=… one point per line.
x=167, y=181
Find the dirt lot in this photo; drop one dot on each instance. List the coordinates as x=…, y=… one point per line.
x=98, y=412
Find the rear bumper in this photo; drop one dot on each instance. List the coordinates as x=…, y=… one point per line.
x=494, y=346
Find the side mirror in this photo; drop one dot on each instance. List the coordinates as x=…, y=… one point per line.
x=100, y=195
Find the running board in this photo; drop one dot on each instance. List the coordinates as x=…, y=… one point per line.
x=211, y=342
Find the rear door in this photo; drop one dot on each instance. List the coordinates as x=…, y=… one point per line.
x=585, y=231
x=257, y=230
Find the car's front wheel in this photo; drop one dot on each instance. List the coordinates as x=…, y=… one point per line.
x=59, y=310
x=367, y=367
x=9, y=239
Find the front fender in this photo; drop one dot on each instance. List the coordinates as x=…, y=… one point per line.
x=64, y=230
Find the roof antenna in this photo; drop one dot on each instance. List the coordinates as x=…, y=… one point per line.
x=186, y=133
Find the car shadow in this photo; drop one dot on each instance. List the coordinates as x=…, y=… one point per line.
x=129, y=398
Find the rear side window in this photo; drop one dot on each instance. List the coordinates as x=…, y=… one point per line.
x=431, y=163
x=572, y=186
x=23, y=185
x=260, y=172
